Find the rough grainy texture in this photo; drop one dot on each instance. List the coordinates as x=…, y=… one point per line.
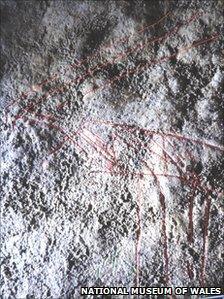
x=111, y=145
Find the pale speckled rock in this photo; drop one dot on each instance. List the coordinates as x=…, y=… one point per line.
x=73, y=217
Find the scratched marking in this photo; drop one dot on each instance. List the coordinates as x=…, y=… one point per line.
x=90, y=72
x=86, y=140
x=78, y=64
x=127, y=135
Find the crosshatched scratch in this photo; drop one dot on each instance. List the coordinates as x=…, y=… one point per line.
x=111, y=145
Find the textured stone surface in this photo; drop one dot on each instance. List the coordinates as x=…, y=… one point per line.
x=111, y=145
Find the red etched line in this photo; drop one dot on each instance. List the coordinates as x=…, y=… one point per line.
x=81, y=62
x=27, y=109
x=103, y=147
x=204, y=255
x=67, y=137
x=113, y=136
x=73, y=134
x=139, y=174
x=190, y=228
x=140, y=46
x=169, y=156
x=190, y=233
x=192, y=18
x=138, y=232
x=32, y=106
x=151, y=151
x=164, y=229
x=205, y=241
x=190, y=217
x=152, y=25
x=142, y=66
x=122, y=55
x=163, y=206
x=195, y=183
x=199, y=141
x=102, y=143
x=178, y=156
x=120, y=76
x=63, y=132
x=139, y=143
x=196, y=178
x=24, y=95
x=126, y=39
x=164, y=153
x=52, y=78
x=186, y=179
x=14, y=102
x=90, y=142
x=133, y=128
x=161, y=157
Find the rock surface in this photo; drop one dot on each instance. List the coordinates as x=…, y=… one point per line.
x=111, y=145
